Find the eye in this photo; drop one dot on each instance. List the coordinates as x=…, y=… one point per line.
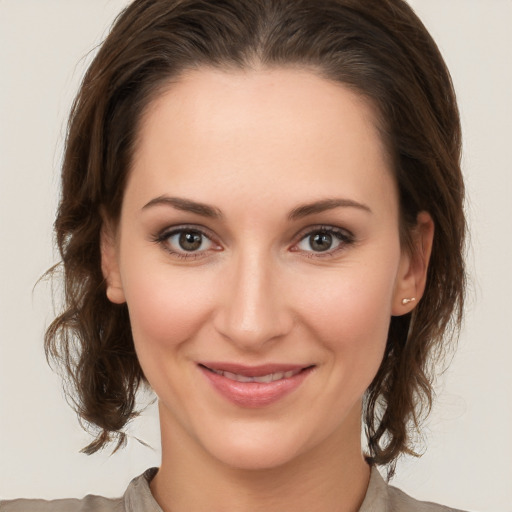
x=326, y=240
x=189, y=241
x=186, y=242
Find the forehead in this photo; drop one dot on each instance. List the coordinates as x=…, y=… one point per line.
x=212, y=129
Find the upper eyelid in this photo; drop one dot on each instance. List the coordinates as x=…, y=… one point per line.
x=171, y=230
x=162, y=239
x=323, y=227
x=162, y=236
x=344, y=236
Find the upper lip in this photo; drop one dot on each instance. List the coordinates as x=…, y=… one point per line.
x=253, y=371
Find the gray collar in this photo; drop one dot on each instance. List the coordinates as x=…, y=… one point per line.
x=138, y=494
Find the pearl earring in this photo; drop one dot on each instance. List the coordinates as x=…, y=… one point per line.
x=406, y=301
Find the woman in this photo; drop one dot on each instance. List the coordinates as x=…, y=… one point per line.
x=261, y=218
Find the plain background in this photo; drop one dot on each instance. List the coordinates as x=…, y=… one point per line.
x=44, y=48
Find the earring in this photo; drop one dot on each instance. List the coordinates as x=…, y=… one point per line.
x=406, y=301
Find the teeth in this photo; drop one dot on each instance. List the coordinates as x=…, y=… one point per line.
x=271, y=377
x=238, y=378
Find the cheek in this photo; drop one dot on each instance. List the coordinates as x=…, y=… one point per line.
x=355, y=301
x=166, y=307
x=349, y=312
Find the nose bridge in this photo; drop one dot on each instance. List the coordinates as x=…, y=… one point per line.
x=253, y=310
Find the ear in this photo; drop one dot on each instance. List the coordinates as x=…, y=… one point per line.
x=412, y=273
x=110, y=264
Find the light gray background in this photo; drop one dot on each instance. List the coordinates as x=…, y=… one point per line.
x=44, y=48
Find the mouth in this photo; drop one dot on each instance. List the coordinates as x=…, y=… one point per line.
x=254, y=386
x=270, y=377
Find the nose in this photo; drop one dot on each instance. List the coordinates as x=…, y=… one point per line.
x=253, y=309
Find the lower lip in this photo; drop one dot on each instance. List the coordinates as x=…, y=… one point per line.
x=255, y=394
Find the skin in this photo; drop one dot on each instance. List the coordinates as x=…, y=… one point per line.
x=255, y=146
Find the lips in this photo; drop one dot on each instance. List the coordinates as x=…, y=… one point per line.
x=269, y=377
x=254, y=386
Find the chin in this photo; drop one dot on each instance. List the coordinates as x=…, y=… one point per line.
x=259, y=445
x=256, y=456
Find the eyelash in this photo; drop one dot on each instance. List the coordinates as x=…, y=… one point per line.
x=163, y=238
x=343, y=236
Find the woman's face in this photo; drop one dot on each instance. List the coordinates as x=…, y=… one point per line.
x=258, y=252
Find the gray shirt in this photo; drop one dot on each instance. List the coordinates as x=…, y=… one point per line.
x=380, y=497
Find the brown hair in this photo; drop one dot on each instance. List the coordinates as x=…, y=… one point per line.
x=380, y=49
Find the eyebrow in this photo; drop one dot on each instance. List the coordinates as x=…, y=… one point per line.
x=324, y=205
x=212, y=212
x=185, y=205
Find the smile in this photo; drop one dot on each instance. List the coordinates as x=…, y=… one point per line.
x=253, y=387
x=271, y=377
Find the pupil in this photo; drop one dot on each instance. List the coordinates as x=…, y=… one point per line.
x=190, y=241
x=321, y=241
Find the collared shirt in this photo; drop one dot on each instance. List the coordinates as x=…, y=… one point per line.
x=380, y=497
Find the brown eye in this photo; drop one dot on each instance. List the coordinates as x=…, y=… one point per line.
x=186, y=241
x=190, y=240
x=326, y=240
x=320, y=241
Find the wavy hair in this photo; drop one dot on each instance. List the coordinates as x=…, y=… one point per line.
x=378, y=48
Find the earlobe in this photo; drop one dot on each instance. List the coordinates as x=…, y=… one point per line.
x=412, y=273
x=110, y=266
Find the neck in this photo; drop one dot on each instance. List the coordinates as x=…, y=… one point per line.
x=333, y=477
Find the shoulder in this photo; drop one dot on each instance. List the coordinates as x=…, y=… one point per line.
x=383, y=497
x=88, y=504
x=399, y=501
x=136, y=498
